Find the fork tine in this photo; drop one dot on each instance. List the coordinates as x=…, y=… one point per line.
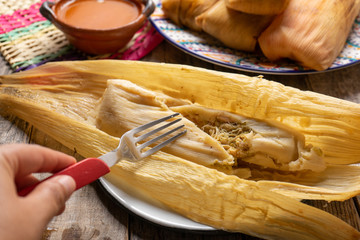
x=145, y=144
x=150, y=124
x=146, y=135
x=161, y=145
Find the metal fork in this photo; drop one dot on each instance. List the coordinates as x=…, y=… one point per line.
x=129, y=147
x=90, y=169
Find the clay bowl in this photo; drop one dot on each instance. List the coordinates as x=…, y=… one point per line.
x=97, y=41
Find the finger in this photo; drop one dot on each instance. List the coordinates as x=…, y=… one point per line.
x=24, y=159
x=26, y=181
x=49, y=197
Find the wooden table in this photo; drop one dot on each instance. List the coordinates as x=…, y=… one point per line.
x=92, y=214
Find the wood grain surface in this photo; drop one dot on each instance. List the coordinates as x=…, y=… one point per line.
x=92, y=214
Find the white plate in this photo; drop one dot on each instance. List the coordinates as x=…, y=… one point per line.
x=205, y=47
x=149, y=211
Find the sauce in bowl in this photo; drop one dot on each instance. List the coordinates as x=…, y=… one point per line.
x=98, y=14
x=98, y=26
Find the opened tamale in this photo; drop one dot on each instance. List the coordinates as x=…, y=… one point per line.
x=67, y=97
x=214, y=138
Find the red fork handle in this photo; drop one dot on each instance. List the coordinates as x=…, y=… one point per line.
x=84, y=172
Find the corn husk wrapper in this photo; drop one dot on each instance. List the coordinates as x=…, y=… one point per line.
x=312, y=33
x=259, y=7
x=238, y=30
x=184, y=12
x=59, y=99
x=235, y=29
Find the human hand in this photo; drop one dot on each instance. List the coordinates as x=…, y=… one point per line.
x=27, y=217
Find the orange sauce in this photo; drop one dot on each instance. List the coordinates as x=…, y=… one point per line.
x=97, y=14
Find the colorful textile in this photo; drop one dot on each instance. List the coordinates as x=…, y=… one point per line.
x=27, y=39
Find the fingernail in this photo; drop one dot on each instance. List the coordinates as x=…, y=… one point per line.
x=68, y=183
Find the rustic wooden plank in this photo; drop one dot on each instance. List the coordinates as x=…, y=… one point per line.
x=345, y=210
x=356, y=200
x=4, y=66
x=342, y=84
x=89, y=215
x=142, y=229
x=13, y=130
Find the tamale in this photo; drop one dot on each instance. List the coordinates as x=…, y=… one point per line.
x=229, y=203
x=235, y=29
x=255, y=203
x=311, y=32
x=272, y=148
x=116, y=115
x=255, y=142
x=184, y=12
x=330, y=123
x=259, y=7
x=330, y=120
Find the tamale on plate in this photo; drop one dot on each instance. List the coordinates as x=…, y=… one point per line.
x=312, y=33
x=262, y=201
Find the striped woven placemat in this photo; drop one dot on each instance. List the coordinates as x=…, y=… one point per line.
x=27, y=39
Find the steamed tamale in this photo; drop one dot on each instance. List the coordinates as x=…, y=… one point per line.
x=311, y=32
x=184, y=12
x=330, y=123
x=259, y=7
x=235, y=29
x=116, y=115
x=212, y=197
x=232, y=139
x=262, y=145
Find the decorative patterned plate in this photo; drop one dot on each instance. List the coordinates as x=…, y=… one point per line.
x=207, y=48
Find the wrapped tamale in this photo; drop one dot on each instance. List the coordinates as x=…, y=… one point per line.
x=260, y=7
x=265, y=204
x=235, y=29
x=184, y=12
x=312, y=32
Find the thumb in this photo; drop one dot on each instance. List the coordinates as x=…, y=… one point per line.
x=49, y=197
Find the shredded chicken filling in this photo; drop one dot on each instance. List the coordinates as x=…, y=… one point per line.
x=231, y=136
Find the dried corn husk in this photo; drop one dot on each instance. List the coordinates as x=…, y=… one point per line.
x=311, y=32
x=235, y=29
x=227, y=202
x=184, y=12
x=260, y=7
x=331, y=124
x=50, y=98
